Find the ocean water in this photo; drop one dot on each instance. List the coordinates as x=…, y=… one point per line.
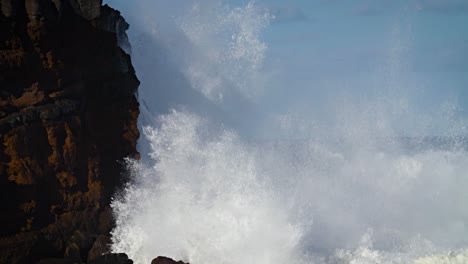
x=209, y=197
x=355, y=190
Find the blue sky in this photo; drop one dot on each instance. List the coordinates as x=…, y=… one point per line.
x=423, y=42
x=435, y=32
x=318, y=49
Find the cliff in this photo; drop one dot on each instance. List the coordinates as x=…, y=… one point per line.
x=68, y=118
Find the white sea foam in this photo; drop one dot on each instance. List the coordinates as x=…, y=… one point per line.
x=202, y=201
x=209, y=198
x=349, y=192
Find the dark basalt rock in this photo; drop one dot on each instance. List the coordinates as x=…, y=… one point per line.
x=68, y=118
x=56, y=261
x=104, y=259
x=112, y=259
x=100, y=247
x=166, y=260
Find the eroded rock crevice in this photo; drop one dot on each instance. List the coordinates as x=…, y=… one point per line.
x=68, y=118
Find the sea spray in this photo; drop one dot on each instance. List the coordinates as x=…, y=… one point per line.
x=368, y=186
x=206, y=197
x=202, y=201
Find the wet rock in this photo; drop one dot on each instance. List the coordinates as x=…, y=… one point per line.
x=100, y=247
x=72, y=252
x=90, y=9
x=112, y=21
x=112, y=259
x=68, y=118
x=166, y=260
x=106, y=221
x=8, y=7
x=57, y=261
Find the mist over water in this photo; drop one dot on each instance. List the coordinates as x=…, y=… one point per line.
x=224, y=178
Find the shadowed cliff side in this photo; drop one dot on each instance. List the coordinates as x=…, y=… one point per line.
x=68, y=118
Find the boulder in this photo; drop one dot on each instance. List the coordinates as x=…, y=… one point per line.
x=112, y=259
x=166, y=260
x=100, y=247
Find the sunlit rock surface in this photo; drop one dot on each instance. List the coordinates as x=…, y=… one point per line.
x=68, y=118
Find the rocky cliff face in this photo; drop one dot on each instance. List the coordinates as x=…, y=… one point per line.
x=68, y=118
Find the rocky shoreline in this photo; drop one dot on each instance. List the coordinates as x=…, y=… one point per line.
x=112, y=259
x=68, y=120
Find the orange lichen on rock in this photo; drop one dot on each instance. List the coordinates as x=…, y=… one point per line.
x=68, y=119
x=24, y=151
x=30, y=97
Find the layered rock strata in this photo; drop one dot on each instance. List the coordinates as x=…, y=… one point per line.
x=68, y=118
